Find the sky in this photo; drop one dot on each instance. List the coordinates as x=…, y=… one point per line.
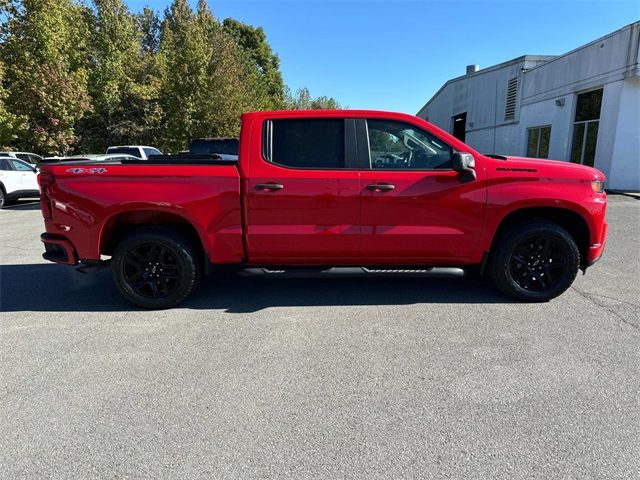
x=394, y=55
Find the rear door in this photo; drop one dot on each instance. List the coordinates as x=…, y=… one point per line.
x=415, y=208
x=302, y=192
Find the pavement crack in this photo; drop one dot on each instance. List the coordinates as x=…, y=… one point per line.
x=592, y=299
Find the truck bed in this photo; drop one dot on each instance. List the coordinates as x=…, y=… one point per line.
x=91, y=197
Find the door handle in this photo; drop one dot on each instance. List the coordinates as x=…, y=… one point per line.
x=381, y=187
x=269, y=186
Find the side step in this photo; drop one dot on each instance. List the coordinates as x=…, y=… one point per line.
x=425, y=272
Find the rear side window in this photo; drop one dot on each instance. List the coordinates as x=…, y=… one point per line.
x=151, y=151
x=21, y=166
x=125, y=151
x=306, y=143
x=4, y=164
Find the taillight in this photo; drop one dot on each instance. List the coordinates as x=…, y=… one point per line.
x=46, y=179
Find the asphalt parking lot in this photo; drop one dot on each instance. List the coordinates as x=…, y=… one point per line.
x=318, y=378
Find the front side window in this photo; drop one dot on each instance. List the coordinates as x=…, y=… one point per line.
x=538, y=142
x=399, y=145
x=4, y=164
x=306, y=143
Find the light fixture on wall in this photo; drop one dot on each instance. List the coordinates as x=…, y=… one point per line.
x=560, y=102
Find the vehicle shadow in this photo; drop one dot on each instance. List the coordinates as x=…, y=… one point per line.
x=23, y=205
x=57, y=288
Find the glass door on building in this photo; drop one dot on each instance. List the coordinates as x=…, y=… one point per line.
x=585, y=127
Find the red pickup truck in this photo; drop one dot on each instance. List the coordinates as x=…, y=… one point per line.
x=322, y=189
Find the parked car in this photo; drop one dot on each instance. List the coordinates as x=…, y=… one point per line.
x=26, y=156
x=139, y=151
x=306, y=193
x=226, y=148
x=113, y=157
x=18, y=179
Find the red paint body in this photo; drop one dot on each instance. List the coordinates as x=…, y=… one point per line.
x=321, y=217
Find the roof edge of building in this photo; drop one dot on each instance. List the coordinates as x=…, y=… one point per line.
x=482, y=71
x=592, y=42
x=524, y=58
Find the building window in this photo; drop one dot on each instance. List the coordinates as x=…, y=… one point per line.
x=510, y=105
x=538, y=142
x=585, y=127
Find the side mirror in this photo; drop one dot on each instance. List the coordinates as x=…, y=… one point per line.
x=465, y=164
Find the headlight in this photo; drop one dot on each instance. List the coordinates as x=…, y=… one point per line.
x=598, y=186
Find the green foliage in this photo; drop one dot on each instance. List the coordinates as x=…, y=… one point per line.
x=261, y=61
x=85, y=77
x=7, y=119
x=46, y=47
x=303, y=100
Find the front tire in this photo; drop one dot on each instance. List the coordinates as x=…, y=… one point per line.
x=535, y=262
x=156, y=268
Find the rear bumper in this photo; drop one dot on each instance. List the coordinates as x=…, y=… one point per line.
x=58, y=250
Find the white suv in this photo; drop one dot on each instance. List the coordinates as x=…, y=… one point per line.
x=18, y=179
x=139, y=151
x=26, y=156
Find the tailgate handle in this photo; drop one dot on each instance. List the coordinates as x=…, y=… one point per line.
x=381, y=186
x=269, y=186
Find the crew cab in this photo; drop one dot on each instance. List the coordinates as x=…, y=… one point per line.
x=324, y=189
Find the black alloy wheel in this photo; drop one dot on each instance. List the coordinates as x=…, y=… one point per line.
x=538, y=263
x=151, y=271
x=535, y=261
x=156, y=267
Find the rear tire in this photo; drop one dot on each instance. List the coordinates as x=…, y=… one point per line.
x=156, y=268
x=3, y=198
x=535, y=261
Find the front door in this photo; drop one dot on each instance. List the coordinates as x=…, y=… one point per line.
x=415, y=208
x=302, y=193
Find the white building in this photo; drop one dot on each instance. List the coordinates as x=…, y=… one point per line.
x=583, y=106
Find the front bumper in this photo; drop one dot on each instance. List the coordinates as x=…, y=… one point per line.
x=58, y=250
x=595, y=251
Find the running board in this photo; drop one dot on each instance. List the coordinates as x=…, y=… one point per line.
x=426, y=272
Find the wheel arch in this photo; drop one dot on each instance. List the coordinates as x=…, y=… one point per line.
x=121, y=224
x=569, y=219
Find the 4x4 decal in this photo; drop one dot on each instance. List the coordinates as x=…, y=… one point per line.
x=86, y=170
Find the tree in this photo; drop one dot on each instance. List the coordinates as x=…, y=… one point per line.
x=149, y=28
x=7, y=119
x=182, y=57
x=261, y=61
x=45, y=44
x=303, y=101
x=113, y=81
